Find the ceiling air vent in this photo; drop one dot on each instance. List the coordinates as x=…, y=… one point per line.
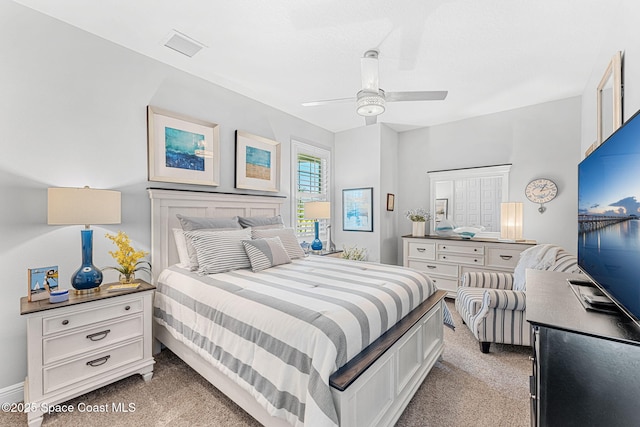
x=183, y=44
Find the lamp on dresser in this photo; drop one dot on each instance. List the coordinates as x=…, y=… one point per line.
x=317, y=211
x=511, y=221
x=84, y=206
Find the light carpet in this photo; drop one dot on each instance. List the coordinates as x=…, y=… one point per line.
x=466, y=388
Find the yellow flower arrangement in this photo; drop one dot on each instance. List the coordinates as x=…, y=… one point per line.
x=128, y=259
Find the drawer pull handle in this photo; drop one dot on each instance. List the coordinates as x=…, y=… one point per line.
x=99, y=335
x=475, y=260
x=65, y=322
x=444, y=247
x=98, y=362
x=506, y=257
x=420, y=249
x=475, y=249
x=127, y=308
x=432, y=266
x=444, y=257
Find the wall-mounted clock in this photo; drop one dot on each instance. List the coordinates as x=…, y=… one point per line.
x=541, y=190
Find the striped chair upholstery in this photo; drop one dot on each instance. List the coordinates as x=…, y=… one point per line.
x=494, y=311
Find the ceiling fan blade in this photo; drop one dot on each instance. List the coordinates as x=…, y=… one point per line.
x=326, y=101
x=369, y=68
x=370, y=120
x=428, y=95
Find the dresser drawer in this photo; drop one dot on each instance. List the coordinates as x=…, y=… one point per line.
x=435, y=268
x=91, y=339
x=461, y=259
x=59, y=376
x=446, y=284
x=422, y=250
x=502, y=257
x=91, y=315
x=470, y=249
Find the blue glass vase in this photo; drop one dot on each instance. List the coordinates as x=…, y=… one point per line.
x=316, y=245
x=88, y=276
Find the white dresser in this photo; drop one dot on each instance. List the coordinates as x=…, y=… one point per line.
x=85, y=343
x=446, y=259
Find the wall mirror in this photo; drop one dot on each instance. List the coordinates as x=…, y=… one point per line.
x=609, y=94
x=472, y=196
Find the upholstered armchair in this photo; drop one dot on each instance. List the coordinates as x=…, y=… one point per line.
x=493, y=304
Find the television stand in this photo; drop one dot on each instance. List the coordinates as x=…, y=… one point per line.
x=585, y=364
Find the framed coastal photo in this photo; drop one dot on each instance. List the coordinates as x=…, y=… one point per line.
x=257, y=162
x=181, y=149
x=42, y=281
x=357, y=209
x=441, y=209
x=391, y=201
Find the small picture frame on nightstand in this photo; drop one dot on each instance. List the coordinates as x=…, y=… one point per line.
x=42, y=281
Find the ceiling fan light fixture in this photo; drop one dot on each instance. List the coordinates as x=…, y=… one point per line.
x=370, y=103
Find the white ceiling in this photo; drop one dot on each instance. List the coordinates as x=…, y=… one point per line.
x=491, y=55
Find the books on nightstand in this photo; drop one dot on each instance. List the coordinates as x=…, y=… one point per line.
x=123, y=287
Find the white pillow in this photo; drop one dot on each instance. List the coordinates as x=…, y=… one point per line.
x=220, y=251
x=181, y=246
x=288, y=238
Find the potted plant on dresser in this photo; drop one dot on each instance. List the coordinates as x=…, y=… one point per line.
x=419, y=218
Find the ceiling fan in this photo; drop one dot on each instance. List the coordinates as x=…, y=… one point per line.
x=371, y=100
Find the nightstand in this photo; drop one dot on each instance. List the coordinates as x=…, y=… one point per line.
x=85, y=343
x=324, y=252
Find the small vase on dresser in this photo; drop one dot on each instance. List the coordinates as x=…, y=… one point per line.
x=418, y=228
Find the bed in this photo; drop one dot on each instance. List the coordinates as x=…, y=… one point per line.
x=380, y=325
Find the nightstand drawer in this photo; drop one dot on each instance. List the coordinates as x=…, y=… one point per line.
x=422, y=250
x=91, y=339
x=434, y=268
x=90, y=316
x=461, y=259
x=57, y=377
x=474, y=249
x=500, y=257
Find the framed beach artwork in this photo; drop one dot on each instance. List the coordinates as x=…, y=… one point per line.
x=182, y=149
x=357, y=209
x=441, y=209
x=257, y=162
x=42, y=281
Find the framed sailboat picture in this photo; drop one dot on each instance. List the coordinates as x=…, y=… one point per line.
x=42, y=281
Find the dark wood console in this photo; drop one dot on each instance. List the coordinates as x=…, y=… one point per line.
x=586, y=365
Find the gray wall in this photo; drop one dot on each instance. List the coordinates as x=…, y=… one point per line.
x=73, y=110
x=624, y=37
x=539, y=141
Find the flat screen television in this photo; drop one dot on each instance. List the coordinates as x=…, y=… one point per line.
x=609, y=217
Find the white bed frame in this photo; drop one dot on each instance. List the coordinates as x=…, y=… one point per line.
x=379, y=393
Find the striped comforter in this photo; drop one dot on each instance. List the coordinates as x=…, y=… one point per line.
x=280, y=333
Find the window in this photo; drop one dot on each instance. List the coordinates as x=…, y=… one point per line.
x=311, y=183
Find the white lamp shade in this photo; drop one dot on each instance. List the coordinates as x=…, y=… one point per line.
x=67, y=206
x=511, y=221
x=317, y=210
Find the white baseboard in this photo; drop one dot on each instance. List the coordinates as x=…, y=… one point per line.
x=12, y=394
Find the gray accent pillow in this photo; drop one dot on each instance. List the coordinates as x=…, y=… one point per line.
x=288, y=238
x=265, y=253
x=190, y=223
x=220, y=250
x=261, y=222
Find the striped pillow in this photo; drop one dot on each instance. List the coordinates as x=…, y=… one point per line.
x=288, y=238
x=220, y=251
x=265, y=253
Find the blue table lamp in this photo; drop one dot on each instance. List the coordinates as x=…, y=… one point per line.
x=316, y=211
x=78, y=206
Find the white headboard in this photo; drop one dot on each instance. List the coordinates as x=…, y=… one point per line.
x=165, y=204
